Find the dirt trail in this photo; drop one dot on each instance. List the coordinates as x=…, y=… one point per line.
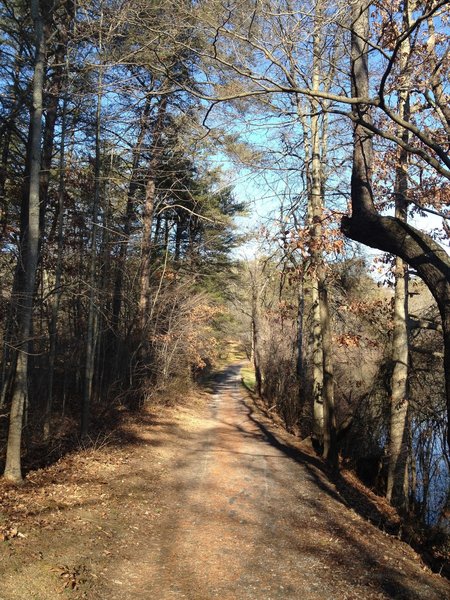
x=217, y=504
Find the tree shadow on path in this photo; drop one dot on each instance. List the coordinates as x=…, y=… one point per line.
x=336, y=486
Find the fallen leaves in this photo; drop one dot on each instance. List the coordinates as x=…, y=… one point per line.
x=9, y=533
x=73, y=577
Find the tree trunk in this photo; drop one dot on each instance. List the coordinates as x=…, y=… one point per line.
x=92, y=311
x=178, y=234
x=396, y=492
x=5, y=372
x=330, y=450
x=257, y=289
x=129, y=215
x=255, y=347
x=300, y=362
x=397, y=482
x=147, y=220
x=53, y=328
x=6, y=130
x=147, y=217
x=324, y=412
x=51, y=113
x=3, y=178
x=104, y=375
x=317, y=360
x=12, y=335
x=13, y=468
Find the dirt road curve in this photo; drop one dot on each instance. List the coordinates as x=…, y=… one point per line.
x=246, y=520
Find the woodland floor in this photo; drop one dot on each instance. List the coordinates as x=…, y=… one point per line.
x=210, y=500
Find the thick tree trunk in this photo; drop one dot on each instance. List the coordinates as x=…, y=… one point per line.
x=397, y=482
x=13, y=469
x=397, y=492
x=324, y=427
x=313, y=173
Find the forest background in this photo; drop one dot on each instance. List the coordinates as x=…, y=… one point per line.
x=126, y=128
